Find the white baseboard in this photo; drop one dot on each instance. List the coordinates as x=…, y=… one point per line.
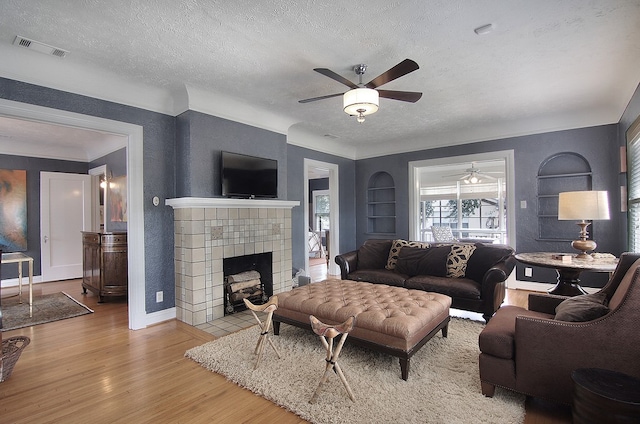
x=160, y=316
x=13, y=282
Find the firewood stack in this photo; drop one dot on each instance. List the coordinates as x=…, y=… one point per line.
x=245, y=285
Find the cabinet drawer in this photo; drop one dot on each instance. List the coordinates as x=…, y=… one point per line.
x=114, y=239
x=90, y=238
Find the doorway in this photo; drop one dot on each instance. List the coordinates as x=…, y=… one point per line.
x=134, y=136
x=316, y=170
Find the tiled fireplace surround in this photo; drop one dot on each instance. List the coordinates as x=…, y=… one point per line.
x=208, y=230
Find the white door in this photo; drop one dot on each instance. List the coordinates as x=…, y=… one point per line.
x=65, y=211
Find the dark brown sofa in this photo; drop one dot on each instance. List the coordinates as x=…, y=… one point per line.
x=481, y=288
x=533, y=351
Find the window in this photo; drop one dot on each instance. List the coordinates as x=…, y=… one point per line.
x=321, y=209
x=472, y=194
x=477, y=208
x=633, y=183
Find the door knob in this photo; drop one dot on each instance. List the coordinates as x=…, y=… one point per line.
x=46, y=239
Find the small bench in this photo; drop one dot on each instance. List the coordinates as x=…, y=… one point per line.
x=389, y=319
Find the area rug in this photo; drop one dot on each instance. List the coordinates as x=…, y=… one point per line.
x=46, y=308
x=443, y=384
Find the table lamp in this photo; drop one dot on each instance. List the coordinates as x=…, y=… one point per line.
x=584, y=206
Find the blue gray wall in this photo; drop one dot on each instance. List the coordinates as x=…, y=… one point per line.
x=181, y=158
x=33, y=166
x=159, y=176
x=599, y=145
x=201, y=138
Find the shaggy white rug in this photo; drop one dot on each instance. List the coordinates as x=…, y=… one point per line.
x=443, y=385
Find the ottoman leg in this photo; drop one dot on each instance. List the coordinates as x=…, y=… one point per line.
x=404, y=368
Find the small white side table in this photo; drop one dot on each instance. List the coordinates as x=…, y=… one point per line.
x=19, y=258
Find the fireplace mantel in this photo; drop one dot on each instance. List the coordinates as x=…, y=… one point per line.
x=225, y=202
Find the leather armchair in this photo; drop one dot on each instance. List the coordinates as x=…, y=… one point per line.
x=528, y=351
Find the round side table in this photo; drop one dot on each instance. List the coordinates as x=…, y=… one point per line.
x=604, y=396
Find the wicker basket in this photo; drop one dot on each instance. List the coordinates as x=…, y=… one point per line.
x=11, y=350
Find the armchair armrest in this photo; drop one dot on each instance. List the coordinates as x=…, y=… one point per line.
x=348, y=262
x=546, y=303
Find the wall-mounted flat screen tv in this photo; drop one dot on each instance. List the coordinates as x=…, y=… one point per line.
x=249, y=177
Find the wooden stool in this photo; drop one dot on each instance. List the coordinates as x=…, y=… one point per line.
x=265, y=325
x=330, y=332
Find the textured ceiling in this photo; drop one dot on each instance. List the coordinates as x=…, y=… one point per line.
x=547, y=65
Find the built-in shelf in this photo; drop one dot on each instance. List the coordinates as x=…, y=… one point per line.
x=381, y=204
x=562, y=172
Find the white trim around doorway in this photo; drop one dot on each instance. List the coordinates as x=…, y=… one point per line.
x=334, y=214
x=134, y=133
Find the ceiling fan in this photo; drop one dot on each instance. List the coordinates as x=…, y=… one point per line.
x=473, y=175
x=362, y=99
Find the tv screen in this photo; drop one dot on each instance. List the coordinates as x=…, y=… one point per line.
x=246, y=176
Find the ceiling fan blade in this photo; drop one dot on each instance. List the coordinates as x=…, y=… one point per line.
x=329, y=73
x=313, y=99
x=405, y=96
x=401, y=69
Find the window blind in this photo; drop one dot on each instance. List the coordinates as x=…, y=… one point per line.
x=633, y=185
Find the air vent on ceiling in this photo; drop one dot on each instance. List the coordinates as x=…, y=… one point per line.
x=39, y=47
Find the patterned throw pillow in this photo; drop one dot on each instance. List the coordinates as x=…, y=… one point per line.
x=395, y=250
x=457, y=259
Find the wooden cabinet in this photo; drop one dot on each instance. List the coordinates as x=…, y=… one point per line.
x=104, y=261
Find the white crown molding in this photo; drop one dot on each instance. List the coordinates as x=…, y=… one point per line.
x=65, y=75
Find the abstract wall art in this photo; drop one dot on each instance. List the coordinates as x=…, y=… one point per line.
x=13, y=210
x=118, y=199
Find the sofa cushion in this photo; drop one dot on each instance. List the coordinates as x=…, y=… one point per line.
x=378, y=276
x=397, y=246
x=484, y=257
x=464, y=288
x=373, y=254
x=498, y=336
x=582, y=308
x=457, y=259
x=418, y=261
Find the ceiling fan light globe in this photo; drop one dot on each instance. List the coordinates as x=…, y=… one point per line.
x=361, y=101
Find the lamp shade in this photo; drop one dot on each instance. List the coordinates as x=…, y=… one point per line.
x=360, y=101
x=583, y=205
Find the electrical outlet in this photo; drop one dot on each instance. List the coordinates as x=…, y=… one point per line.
x=159, y=296
x=528, y=272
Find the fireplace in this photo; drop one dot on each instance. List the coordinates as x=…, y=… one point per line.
x=207, y=231
x=258, y=292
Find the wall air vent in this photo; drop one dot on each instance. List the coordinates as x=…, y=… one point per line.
x=39, y=47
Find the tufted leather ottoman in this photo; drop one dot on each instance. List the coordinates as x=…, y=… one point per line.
x=389, y=319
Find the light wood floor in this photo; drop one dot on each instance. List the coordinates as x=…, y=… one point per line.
x=94, y=369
